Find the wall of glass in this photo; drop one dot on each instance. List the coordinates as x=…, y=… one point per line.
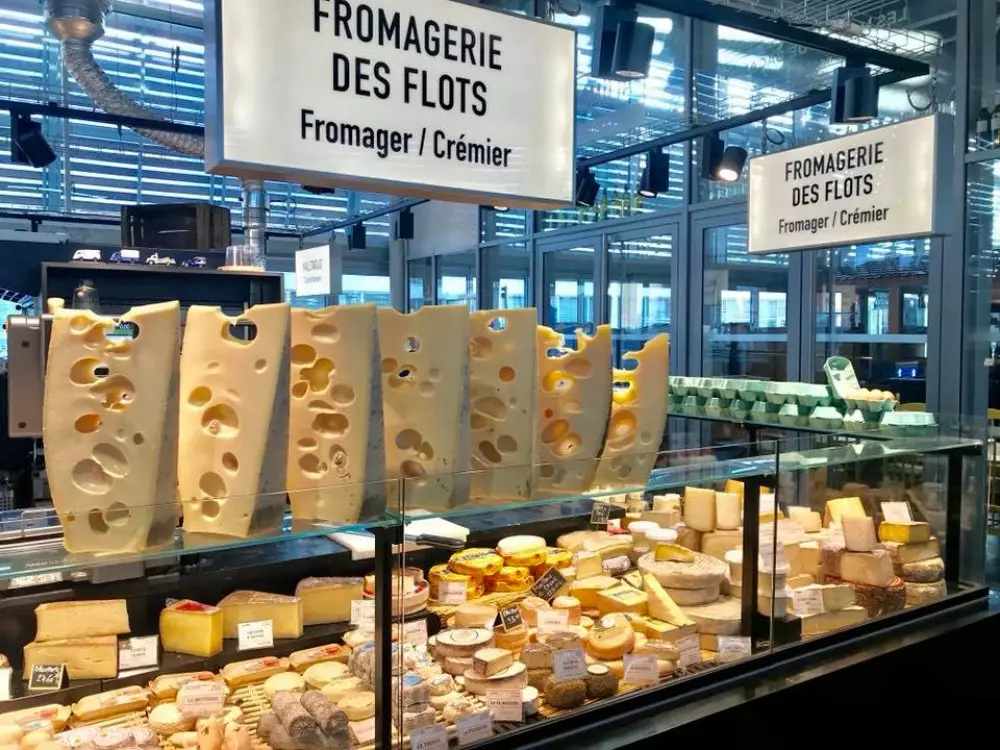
x=457, y=279
x=568, y=275
x=506, y=274
x=640, y=272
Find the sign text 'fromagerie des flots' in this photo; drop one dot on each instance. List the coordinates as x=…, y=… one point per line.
x=437, y=97
x=879, y=184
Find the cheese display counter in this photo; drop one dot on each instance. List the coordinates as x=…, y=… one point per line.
x=361, y=529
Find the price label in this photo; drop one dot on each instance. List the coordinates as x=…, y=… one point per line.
x=897, y=512
x=600, y=513
x=434, y=737
x=836, y=533
x=136, y=653
x=789, y=531
x=255, y=635
x=690, y=648
x=772, y=556
x=569, y=665
x=363, y=614
x=510, y=617
x=415, y=633
x=641, y=669
x=733, y=647
x=807, y=601
x=6, y=674
x=453, y=592
x=364, y=731
x=200, y=699
x=474, y=728
x=48, y=677
x=505, y=705
x=552, y=620
x=35, y=579
x=547, y=586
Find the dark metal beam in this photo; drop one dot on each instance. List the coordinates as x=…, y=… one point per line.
x=88, y=115
x=361, y=218
x=754, y=23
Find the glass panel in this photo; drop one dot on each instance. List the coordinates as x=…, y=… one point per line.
x=569, y=290
x=745, y=320
x=499, y=224
x=420, y=282
x=871, y=307
x=506, y=272
x=639, y=290
x=456, y=279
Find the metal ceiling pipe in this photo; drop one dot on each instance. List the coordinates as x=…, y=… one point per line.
x=255, y=217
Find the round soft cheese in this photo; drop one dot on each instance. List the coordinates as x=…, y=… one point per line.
x=475, y=615
x=721, y=617
x=358, y=706
x=440, y=701
x=462, y=642
x=571, y=604
x=291, y=681
x=476, y=562
x=523, y=550
x=601, y=681
x=701, y=573
x=167, y=718
x=512, y=677
x=529, y=609
x=513, y=639
x=337, y=689
x=324, y=673
x=694, y=597
x=611, y=637
x=529, y=699
x=442, y=684
x=457, y=708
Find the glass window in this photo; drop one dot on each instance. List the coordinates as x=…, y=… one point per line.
x=420, y=282
x=745, y=302
x=506, y=275
x=871, y=307
x=569, y=290
x=639, y=281
x=456, y=279
x=502, y=223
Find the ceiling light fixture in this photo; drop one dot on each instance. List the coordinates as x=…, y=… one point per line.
x=855, y=95
x=734, y=158
x=27, y=144
x=655, y=177
x=719, y=162
x=623, y=46
x=633, y=50
x=587, y=188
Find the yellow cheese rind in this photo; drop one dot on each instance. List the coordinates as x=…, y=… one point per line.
x=809, y=519
x=573, y=407
x=234, y=421
x=326, y=600
x=80, y=619
x=284, y=612
x=622, y=598
x=842, y=506
x=914, y=532
x=191, y=631
x=638, y=417
x=85, y=658
x=502, y=392
x=336, y=456
x=661, y=606
x=699, y=508
x=111, y=438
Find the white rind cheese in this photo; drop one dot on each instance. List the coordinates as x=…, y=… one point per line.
x=573, y=406
x=110, y=429
x=336, y=460
x=502, y=392
x=425, y=402
x=234, y=421
x=638, y=417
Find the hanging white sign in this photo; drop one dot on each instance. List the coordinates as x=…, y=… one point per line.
x=312, y=271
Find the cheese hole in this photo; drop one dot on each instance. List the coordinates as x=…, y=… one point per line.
x=497, y=324
x=559, y=475
x=79, y=323
x=616, y=463
x=84, y=371
x=507, y=374
x=241, y=332
x=490, y=452
x=426, y=389
x=389, y=365
x=326, y=333
x=216, y=366
x=546, y=471
x=338, y=459
x=303, y=354
x=330, y=425
x=492, y=407
x=408, y=440
x=120, y=436
x=318, y=376
x=308, y=444
x=300, y=389
x=479, y=422
x=260, y=365
x=578, y=367
x=557, y=352
x=411, y=344
x=115, y=392
x=412, y=470
x=568, y=446
x=342, y=394
x=211, y=509
x=310, y=465
x=573, y=407
x=624, y=472
x=138, y=439
x=97, y=523
x=507, y=444
x=320, y=406
x=482, y=347
x=555, y=431
x=117, y=514
x=434, y=375
x=557, y=382
x=88, y=423
x=89, y=477
x=407, y=372
x=426, y=452
x=212, y=485
x=200, y=396
x=622, y=425
x=220, y=420
x=646, y=438
x=111, y=459
x=549, y=413
x=230, y=463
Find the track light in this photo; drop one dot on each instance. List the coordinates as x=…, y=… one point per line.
x=319, y=190
x=719, y=162
x=27, y=144
x=358, y=238
x=731, y=166
x=623, y=47
x=633, y=49
x=655, y=177
x=855, y=95
x=587, y=188
x=405, y=225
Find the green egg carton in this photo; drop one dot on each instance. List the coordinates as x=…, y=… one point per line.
x=751, y=390
x=826, y=417
x=788, y=415
x=740, y=408
x=909, y=422
x=841, y=376
x=728, y=388
x=678, y=385
x=778, y=393
x=707, y=388
x=762, y=411
x=814, y=395
x=854, y=420
x=692, y=405
x=714, y=407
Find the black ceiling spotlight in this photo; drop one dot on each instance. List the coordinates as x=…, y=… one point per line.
x=655, y=177
x=27, y=144
x=623, y=47
x=633, y=50
x=854, y=95
x=405, y=227
x=358, y=238
x=734, y=158
x=319, y=190
x=711, y=152
x=587, y=188
x=719, y=162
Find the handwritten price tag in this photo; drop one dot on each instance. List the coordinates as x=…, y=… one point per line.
x=690, y=648
x=474, y=728
x=255, y=635
x=641, y=669
x=505, y=705
x=897, y=512
x=434, y=737
x=807, y=601
x=136, y=653
x=453, y=592
x=552, y=620
x=569, y=665
x=363, y=614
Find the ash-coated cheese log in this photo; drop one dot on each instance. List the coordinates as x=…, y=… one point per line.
x=301, y=726
x=271, y=730
x=331, y=719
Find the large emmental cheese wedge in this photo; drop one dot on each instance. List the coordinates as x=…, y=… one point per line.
x=80, y=619
x=110, y=428
x=336, y=459
x=502, y=392
x=234, y=420
x=85, y=658
x=638, y=417
x=573, y=406
x=284, y=612
x=425, y=402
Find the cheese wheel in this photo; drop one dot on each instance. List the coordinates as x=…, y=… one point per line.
x=458, y=707
x=557, y=558
x=611, y=637
x=513, y=639
x=529, y=699
x=569, y=641
x=601, y=682
x=693, y=597
x=922, y=593
x=704, y=571
x=456, y=665
x=573, y=631
x=441, y=574
x=475, y=615
x=337, y=689
x=512, y=677
x=358, y=706
x=291, y=681
x=573, y=541
x=571, y=604
x=167, y=719
x=721, y=617
x=441, y=684
x=476, y=562
x=510, y=579
x=322, y=674
x=529, y=609
x=924, y=571
x=440, y=701
x=523, y=550
x=462, y=642
x=565, y=693
x=537, y=656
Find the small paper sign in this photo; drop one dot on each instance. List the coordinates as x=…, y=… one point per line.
x=363, y=614
x=897, y=512
x=510, y=617
x=690, y=648
x=474, y=728
x=364, y=731
x=789, y=531
x=771, y=556
x=505, y=705
x=6, y=674
x=807, y=601
x=600, y=514
x=434, y=737
x=836, y=533
x=48, y=677
x=641, y=669
x=415, y=633
x=735, y=646
x=136, y=653
x=552, y=620
x=200, y=699
x=255, y=635
x=569, y=665
x=453, y=592
x=547, y=586
x=35, y=579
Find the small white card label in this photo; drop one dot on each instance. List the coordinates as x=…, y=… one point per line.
x=836, y=533
x=772, y=556
x=807, y=601
x=434, y=737
x=552, y=620
x=35, y=579
x=453, y=592
x=690, y=648
x=5, y=677
x=569, y=665
x=474, y=728
x=789, y=531
x=505, y=705
x=363, y=614
x=641, y=669
x=897, y=512
x=364, y=731
x=735, y=646
x=254, y=635
x=415, y=633
x=201, y=699
x=136, y=653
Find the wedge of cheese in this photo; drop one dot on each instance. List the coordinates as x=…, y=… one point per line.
x=809, y=519
x=56, y=621
x=234, y=420
x=85, y=658
x=913, y=532
x=110, y=428
x=425, y=401
x=638, y=417
x=661, y=606
x=502, y=392
x=573, y=407
x=336, y=458
x=284, y=612
x=840, y=507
